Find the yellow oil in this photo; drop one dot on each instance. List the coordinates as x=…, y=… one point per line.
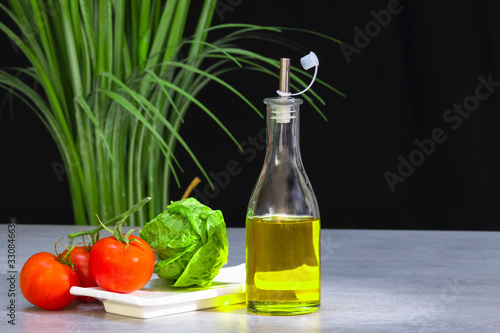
x=283, y=265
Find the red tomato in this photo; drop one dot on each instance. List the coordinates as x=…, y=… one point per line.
x=116, y=267
x=80, y=258
x=45, y=281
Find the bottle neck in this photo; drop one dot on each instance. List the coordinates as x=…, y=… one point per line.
x=283, y=131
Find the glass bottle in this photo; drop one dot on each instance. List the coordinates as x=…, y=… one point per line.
x=283, y=222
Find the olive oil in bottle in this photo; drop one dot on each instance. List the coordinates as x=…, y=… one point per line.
x=283, y=264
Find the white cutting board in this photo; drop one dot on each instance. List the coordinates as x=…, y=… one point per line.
x=157, y=298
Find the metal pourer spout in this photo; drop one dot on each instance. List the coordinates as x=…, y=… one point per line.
x=284, y=85
x=282, y=111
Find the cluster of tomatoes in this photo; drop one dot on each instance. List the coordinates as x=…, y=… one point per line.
x=115, y=265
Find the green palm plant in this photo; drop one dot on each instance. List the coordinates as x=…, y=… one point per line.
x=113, y=80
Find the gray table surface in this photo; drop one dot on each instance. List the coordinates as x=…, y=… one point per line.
x=372, y=281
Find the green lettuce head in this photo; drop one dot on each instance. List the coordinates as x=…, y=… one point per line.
x=190, y=240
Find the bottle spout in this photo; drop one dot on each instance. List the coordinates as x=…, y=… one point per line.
x=282, y=113
x=284, y=84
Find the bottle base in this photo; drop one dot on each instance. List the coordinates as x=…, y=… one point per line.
x=282, y=308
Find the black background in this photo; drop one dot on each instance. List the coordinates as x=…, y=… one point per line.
x=400, y=84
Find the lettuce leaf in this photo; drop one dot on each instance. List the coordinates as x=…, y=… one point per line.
x=190, y=241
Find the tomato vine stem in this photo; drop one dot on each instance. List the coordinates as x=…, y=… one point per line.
x=120, y=218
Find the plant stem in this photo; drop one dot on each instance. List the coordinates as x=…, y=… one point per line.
x=113, y=221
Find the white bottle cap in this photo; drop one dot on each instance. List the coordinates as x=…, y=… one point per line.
x=309, y=61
